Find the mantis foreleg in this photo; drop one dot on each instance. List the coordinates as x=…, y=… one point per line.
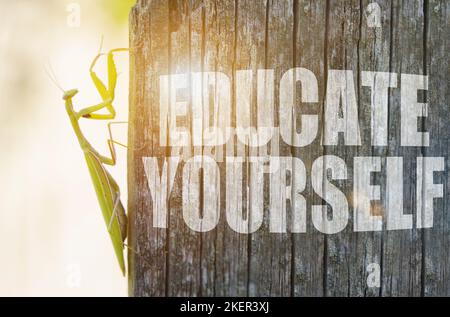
x=107, y=94
x=88, y=113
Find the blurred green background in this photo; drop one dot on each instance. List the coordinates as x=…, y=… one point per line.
x=118, y=9
x=55, y=242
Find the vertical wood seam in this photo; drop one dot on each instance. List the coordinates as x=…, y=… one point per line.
x=293, y=240
x=423, y=150
x=167, y=282
x=325, y=240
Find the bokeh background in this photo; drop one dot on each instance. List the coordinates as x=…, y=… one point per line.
x=54, y=241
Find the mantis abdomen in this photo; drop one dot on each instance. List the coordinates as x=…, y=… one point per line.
x=108, y=195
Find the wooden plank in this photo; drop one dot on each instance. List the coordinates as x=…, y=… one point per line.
x=184, y=243
x=223, y=251
x=342, y=54
x=310, y=32
x=271, y=253
x=437, y=240
x=149, y=38
x=373, y=51
x=402, y=250
x=249, y=55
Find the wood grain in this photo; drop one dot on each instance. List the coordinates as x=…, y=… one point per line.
x=178, y=36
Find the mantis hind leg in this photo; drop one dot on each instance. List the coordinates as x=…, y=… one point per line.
x=112, y=146
x=111, y=138
x=113, y=142
x=112, y=160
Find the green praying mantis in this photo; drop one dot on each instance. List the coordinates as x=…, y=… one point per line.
x=106, y=188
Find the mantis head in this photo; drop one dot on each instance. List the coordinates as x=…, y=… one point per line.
x=70, y=94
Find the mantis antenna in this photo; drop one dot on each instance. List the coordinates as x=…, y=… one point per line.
x=101, y=44
x=51, y=74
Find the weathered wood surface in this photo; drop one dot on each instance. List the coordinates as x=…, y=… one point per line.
x=176, y=36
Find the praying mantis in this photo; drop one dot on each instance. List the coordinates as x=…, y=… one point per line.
x=106, y=188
